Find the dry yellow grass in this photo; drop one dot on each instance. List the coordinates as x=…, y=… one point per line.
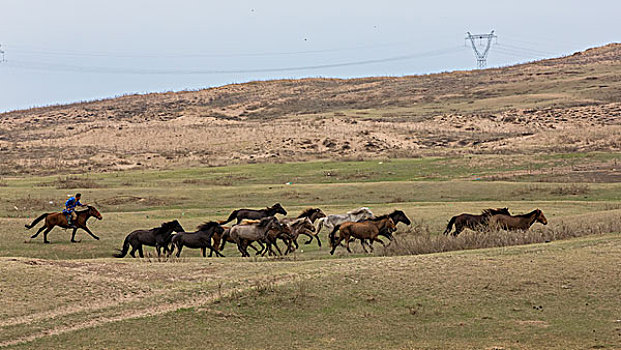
x=569, y=104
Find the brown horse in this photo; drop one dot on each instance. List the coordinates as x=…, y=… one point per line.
x=363, y=230
x=473, y=222
x=300, y=226
x=517, y=222
x=60, y=219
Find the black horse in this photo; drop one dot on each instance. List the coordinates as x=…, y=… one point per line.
x=254, y=214
x=158, y=237
x=473, y=222
x=199, y=239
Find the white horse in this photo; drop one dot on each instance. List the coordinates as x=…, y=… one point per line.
x=333, y=220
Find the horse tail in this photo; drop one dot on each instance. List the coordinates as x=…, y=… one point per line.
x=450, y=225
x=231, y=217
x=36, y=221
x=123, y=251
x=332, y=234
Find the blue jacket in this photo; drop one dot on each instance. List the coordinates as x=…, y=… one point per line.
x=70, y=204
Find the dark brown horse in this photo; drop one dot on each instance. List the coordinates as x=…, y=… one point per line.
x=199, y=239
x=363, y=230
x=312, y=214
x=254, y=214
x=158, y=237
x=472, y=221
x=60, y=219
x=517, y=222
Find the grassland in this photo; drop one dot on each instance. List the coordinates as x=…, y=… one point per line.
x=561, y=294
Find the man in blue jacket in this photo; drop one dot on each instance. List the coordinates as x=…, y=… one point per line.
x=69, y=210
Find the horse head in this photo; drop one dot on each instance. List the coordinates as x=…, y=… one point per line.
x=92, y=211
x=399, y=215
x=540, y=217
x=176, y=226
x=278, y=209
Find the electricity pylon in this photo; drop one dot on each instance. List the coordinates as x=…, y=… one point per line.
x=1, y=54
x=481, y=55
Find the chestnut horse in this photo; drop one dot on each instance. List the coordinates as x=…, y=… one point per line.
x=60, y=219
x=517, y=222
x=369, y=229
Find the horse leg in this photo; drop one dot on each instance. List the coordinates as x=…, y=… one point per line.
x=39, y=231
x=73, y=235
x=89, y=232
x=179, y=246
x=204, y=250
x=262, y=247
x=309, y=240
x=140, y=251
x=362, y=243
x=45, y=234
x=336, y=244
x=347, y=245
x=133, y=251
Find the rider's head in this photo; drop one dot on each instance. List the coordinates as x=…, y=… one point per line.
x=78, y=195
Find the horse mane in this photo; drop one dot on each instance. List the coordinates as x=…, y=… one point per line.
x=307, y=212
x=381, y=217
x=206, y=226
x=264, y=221
x=359, y=210
x=163, y=227
x=527, y=214
x=495, y=211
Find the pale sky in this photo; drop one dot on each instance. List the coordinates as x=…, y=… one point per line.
x=67, y=50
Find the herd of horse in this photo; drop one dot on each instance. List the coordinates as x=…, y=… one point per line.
x=261, y=227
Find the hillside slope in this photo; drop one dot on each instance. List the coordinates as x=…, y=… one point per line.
x=566, y=104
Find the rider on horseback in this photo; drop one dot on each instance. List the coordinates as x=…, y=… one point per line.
x=69, y=210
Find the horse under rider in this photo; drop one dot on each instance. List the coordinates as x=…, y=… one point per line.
x=69, y=210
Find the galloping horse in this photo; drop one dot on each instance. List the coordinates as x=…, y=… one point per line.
x=473, y=222
x=243, y=234
x=333, y=220
x=199, y=239
x=254, y=214
x=517, y=222
x=369, y=229
x=313, y=214
x=60, y=219
x=158, y=237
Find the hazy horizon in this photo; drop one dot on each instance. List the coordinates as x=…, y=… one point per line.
x=69, y=51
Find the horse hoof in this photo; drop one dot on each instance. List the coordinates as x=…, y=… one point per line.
x=47, y=242
x=97, y=238
x=74, y=241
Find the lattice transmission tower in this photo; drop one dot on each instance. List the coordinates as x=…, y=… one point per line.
x=481, y=51
x=1, y=54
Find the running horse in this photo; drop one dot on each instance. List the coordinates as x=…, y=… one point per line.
x=60, y=220
x=254, y=214
x=517, y=222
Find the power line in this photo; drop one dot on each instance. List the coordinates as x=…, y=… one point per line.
x=115, y=70
x=44, y=52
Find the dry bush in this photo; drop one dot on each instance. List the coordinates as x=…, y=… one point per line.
x=419, y=239
x=68, y=182
x=571, y=189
